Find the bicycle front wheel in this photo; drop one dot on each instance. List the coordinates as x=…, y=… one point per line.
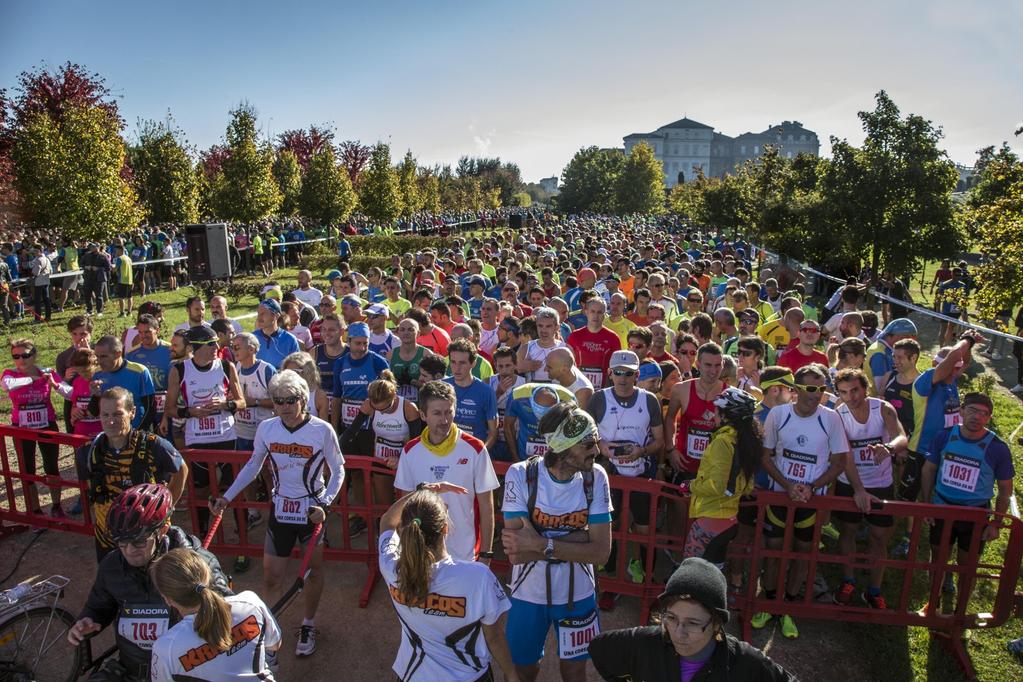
x=34, y=647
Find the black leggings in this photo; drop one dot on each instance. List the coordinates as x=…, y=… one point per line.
x=50, y=451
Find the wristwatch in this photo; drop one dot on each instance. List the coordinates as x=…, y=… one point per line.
x=548, y=552
x=487, y=555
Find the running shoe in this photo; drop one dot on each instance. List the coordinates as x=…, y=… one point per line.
x=636, y=572
x=1018, y=388
x=761, y=619
x=845, y=593
x=608, y=601
x=996, y=356
x=306, y=640
x=788, y=627
x=830, y=532
x=356, y=526
x=242, y=563
x=1015, y=647
x=901, y=550
x=875, y=601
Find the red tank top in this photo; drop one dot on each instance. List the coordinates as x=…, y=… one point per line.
x=694, y=428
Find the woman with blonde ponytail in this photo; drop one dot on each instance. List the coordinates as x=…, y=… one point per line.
x=217, y=638
x=443, y=603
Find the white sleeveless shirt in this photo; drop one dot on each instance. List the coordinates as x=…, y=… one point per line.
x=872, y=475
x=390, y=430
x=198, y=388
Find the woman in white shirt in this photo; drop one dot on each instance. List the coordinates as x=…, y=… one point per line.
x=217, y=638
x=441, y=602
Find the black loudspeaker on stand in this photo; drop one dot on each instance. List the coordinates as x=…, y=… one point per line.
x=208, y=254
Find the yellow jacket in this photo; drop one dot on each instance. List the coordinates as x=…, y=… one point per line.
x=708, y=498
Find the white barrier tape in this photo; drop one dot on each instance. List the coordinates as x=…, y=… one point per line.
x=905, y=304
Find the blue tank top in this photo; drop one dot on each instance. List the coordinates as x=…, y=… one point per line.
x=965, y=476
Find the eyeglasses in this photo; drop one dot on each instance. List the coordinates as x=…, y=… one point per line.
x=688, y=627
x=623, y=372
x=979, y=412
x=811, y=389
x=290, y=400
x=22, y=356
x=747, y=353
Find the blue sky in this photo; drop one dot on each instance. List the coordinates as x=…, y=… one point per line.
x=532, y=82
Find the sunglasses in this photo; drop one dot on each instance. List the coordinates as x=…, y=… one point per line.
x=290, y=400
x=811, y=389
x=694, y=300
x=22, y=356
x=134, y=544
x=623, y=372
x=747, y=353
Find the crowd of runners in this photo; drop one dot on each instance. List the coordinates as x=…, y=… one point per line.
x=578, y=350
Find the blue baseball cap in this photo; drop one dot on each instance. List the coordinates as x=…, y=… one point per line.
x=902, y=325
x=649, y=371
x=358, y=330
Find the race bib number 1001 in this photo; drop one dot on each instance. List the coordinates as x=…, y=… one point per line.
x=575, y=635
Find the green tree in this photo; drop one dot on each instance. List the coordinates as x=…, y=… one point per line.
x=327, y=194
x=249, y=191
x=380, y=194
x=522, y=199
x=408, y=184
x=893, y=195
x=995, y=216
x=68, y=172
x=164, y=175
x=288, y=175
x=590, y=179
x=429, y=190
x=640, y=186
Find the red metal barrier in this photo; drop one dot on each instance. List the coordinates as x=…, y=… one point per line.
x=920, y=580
x=949, y=626
x=16, y=481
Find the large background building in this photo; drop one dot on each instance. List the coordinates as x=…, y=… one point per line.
x=686, y=145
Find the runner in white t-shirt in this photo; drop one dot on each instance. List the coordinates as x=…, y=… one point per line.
x=300, y=448
x=442, y=603
x=214, y=651
x=805, y=449
x=557, y=526
x=444, y=453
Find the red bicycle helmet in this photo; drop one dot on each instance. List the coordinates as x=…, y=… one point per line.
x=139, y=512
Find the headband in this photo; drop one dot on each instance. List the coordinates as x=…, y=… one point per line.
x=576, y=428
x=784, y=380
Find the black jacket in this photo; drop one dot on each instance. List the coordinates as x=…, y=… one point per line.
x=121, y=588
x=643, y=655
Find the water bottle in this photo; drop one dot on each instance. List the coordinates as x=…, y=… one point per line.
x=15, y=594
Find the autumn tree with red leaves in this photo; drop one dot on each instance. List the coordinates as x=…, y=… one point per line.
x=305, y=143
x=68, y=155
x=353, y=157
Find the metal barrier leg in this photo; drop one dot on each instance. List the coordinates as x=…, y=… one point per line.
x=953, y=644
x=372, y=574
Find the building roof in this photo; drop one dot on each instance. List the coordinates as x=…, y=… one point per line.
x=688, y=123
